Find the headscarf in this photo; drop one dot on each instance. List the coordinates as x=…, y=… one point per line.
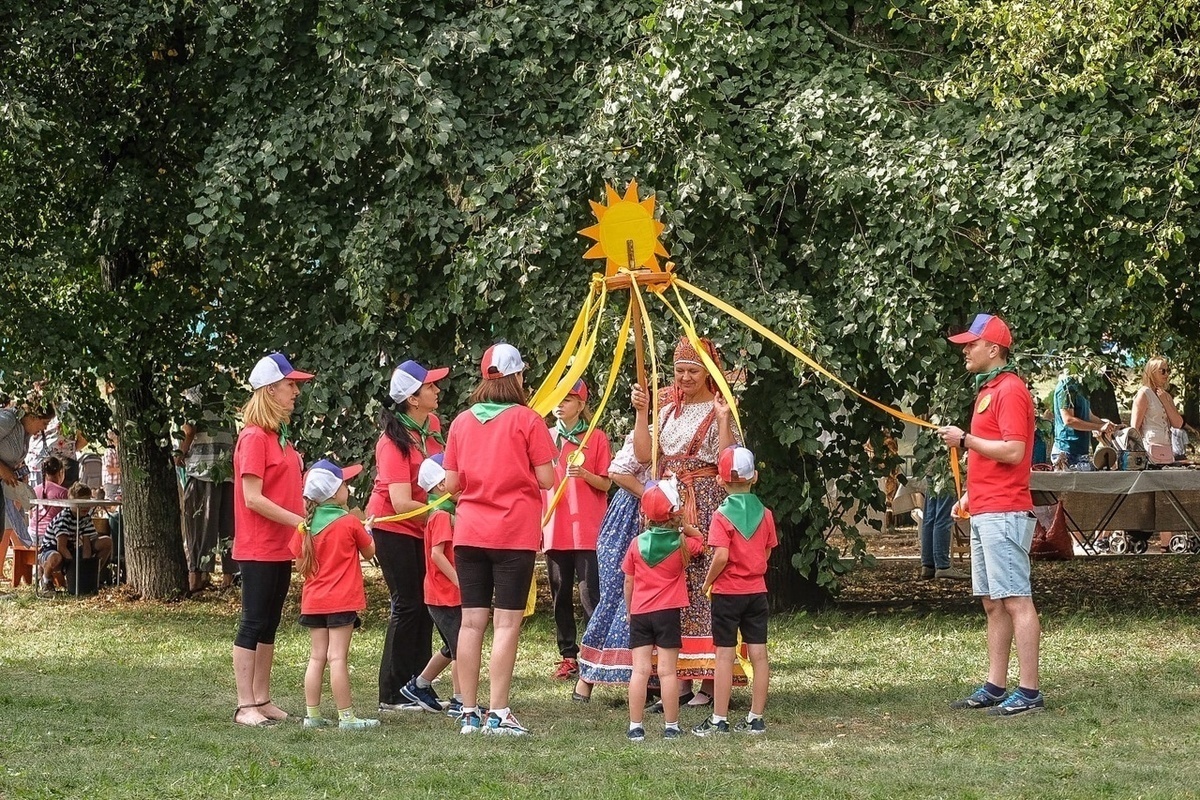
x=685, y=353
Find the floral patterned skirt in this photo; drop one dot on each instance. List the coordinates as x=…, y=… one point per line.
x=604, y=655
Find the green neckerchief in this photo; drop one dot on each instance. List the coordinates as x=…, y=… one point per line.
x=983, y=378
x=422, y=431
x=283, y=435
x=655, y=544
x=745, y=511
x=486, y=412
x=325, y=515
x=444, y=503
x=572, y=436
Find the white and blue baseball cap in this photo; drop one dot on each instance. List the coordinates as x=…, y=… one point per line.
x=274, y=368
x=324, y=478
x=431, y=473
x=409, y=377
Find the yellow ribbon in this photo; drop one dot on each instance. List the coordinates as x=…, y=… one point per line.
x=613, y=371
x=416, y=512
x=649, y=330
x=554, y=377
x=548, y=399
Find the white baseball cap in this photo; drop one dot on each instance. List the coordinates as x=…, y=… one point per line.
x=431, y=473
x=501, y=360
x=273, y=368
x=324, y=478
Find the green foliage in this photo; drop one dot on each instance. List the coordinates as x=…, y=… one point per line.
x=196, y=183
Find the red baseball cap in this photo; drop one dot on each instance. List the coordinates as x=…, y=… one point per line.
x=661, y=501
x=988, y=327
x=579, y=390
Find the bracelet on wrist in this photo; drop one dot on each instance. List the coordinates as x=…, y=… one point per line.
x=962, y=442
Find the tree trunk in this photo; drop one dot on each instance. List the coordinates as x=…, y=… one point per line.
x=153, y=541
x=1191, y=397
x=787, y=588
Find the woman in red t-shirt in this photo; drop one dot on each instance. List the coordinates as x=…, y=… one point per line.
x=571, y=533
x=411, y=432
x=500, y=456
x=268, y=504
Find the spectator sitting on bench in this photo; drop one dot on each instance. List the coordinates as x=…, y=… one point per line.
x=59, y=544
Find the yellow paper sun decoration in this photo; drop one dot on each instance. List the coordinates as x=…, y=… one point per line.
x=623, y=221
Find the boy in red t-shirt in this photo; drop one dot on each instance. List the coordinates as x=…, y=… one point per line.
x=442, y=596
x=742, y=535
x=330, y=543
x=655, y=568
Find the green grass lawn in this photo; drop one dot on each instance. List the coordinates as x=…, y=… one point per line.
x=106, y=698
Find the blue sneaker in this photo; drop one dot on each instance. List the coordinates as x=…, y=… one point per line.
x=455, y=708
x=1018, y=703
x=426, y=698
x=469, y=723
x=672, y=733
x=980, y=698
x=637, y=734
x=710, y=728
x=504, y=727
x=756, y=728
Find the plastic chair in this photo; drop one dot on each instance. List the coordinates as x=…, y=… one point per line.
x=24, y=557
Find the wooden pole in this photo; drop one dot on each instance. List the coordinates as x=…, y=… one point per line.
x=639, y=347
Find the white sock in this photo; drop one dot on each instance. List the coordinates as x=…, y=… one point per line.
x=717, y=719
x=752, y=716
x=672, y=726
x=422, y=683
x=502, y=713
x=634, y=725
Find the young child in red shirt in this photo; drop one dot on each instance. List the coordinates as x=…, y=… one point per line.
x=329, y=544
x=742, y=535
x=442, y=596
x=570, y=535
x=655, y=591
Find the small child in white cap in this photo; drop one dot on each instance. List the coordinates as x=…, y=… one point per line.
x=329, y=544
x=442, y=596
x=742, y=535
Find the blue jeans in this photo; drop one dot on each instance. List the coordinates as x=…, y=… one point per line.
x=1000, y=554
x=935, y=531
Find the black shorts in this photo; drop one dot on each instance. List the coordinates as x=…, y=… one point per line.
x=658, y=628
x=338, y=620
x=734, y=612
x=483, y=571
x=448, y=621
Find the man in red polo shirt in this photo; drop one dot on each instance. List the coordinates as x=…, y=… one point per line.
x=999, y=455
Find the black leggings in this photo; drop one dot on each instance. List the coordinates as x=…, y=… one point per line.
x=409, y=640
x=264, y=590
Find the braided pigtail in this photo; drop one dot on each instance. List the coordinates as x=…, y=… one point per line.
x=307, y=565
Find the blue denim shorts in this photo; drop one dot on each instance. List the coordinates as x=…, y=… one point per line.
x=1000, y=554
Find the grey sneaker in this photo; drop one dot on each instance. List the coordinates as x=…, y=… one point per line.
x=980, y=698
x=953, y=573
x=709, y=728
x=356, y=724
x=1017, y=703
x=755, y=728
x=927, y=572
x=318, y=722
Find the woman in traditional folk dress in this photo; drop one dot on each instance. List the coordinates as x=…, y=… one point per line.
x=694, y=425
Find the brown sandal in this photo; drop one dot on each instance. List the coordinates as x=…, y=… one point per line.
x=266, y=722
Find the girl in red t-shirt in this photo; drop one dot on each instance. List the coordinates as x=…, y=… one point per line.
x=268, y=504
x=655, y=568
x=410, y=433
x=570, y=535
x=500, y=456
x=330, y=543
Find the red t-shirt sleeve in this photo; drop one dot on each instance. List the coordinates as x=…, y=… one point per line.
x=540, y=444
x=440, y=531
x=627, y=562
x=362, y=539
x=1012, y=416
x=252, y=455
x=719, y=531
x=602, y=452
x=450, y=457
x=694, y=544
x=772, y=534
